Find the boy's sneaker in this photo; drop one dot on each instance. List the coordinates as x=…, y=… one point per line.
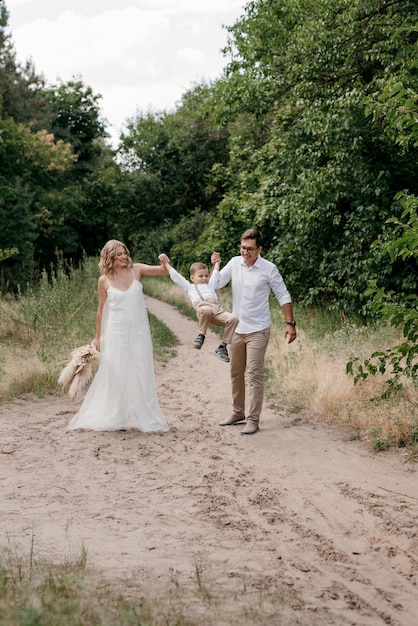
x=222, y=353
x=198, y=342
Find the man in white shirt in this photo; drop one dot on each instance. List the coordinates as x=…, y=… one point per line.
x=252, y=278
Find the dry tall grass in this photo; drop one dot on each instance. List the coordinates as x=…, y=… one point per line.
x=310, y=375
x=38, y=331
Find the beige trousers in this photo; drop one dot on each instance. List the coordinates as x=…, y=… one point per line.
x=247, y=354
x=211, y=312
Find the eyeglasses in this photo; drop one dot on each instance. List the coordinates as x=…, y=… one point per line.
x=245, y=249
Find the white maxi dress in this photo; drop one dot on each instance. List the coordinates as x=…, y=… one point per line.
x=122, y=394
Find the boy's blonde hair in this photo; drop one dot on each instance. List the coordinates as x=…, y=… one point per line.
x=197, y=266
x=108, y=256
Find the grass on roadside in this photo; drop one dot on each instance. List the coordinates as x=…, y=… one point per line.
x=309, y=376
x=40, y=328
x=35, y=592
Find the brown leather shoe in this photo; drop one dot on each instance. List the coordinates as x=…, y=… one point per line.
x=231, y=420
x=250, y=428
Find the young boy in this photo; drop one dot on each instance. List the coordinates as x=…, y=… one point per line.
x=202, y=294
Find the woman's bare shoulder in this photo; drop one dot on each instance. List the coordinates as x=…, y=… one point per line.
x=103, y=282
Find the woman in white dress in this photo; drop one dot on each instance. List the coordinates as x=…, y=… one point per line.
x=122, y=395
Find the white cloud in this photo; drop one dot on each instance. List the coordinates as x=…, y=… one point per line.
x=137, y=54
x=191, y=55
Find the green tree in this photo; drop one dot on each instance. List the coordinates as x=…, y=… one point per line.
x=8, y=252
x=90, y=196
x=172, y=163
x=308, y=165
x=397, y=107
x=77, y=120
x=57, y=175
x=30, y=163
x=22, y=89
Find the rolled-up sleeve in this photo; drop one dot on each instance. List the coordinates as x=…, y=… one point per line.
x=279, y=288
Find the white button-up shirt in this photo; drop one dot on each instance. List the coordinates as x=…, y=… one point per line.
x=203, y=291
x=251, y=287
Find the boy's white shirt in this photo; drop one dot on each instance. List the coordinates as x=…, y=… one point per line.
x=203, y=290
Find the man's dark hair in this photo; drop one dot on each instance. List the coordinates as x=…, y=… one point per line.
x=253, y=233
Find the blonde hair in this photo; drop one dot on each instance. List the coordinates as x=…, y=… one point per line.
x=197, y=266
x=108, y=256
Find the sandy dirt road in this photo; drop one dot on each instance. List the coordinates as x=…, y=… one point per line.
x=294, y=525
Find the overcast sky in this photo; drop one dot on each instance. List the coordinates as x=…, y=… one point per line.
x=138, y=54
